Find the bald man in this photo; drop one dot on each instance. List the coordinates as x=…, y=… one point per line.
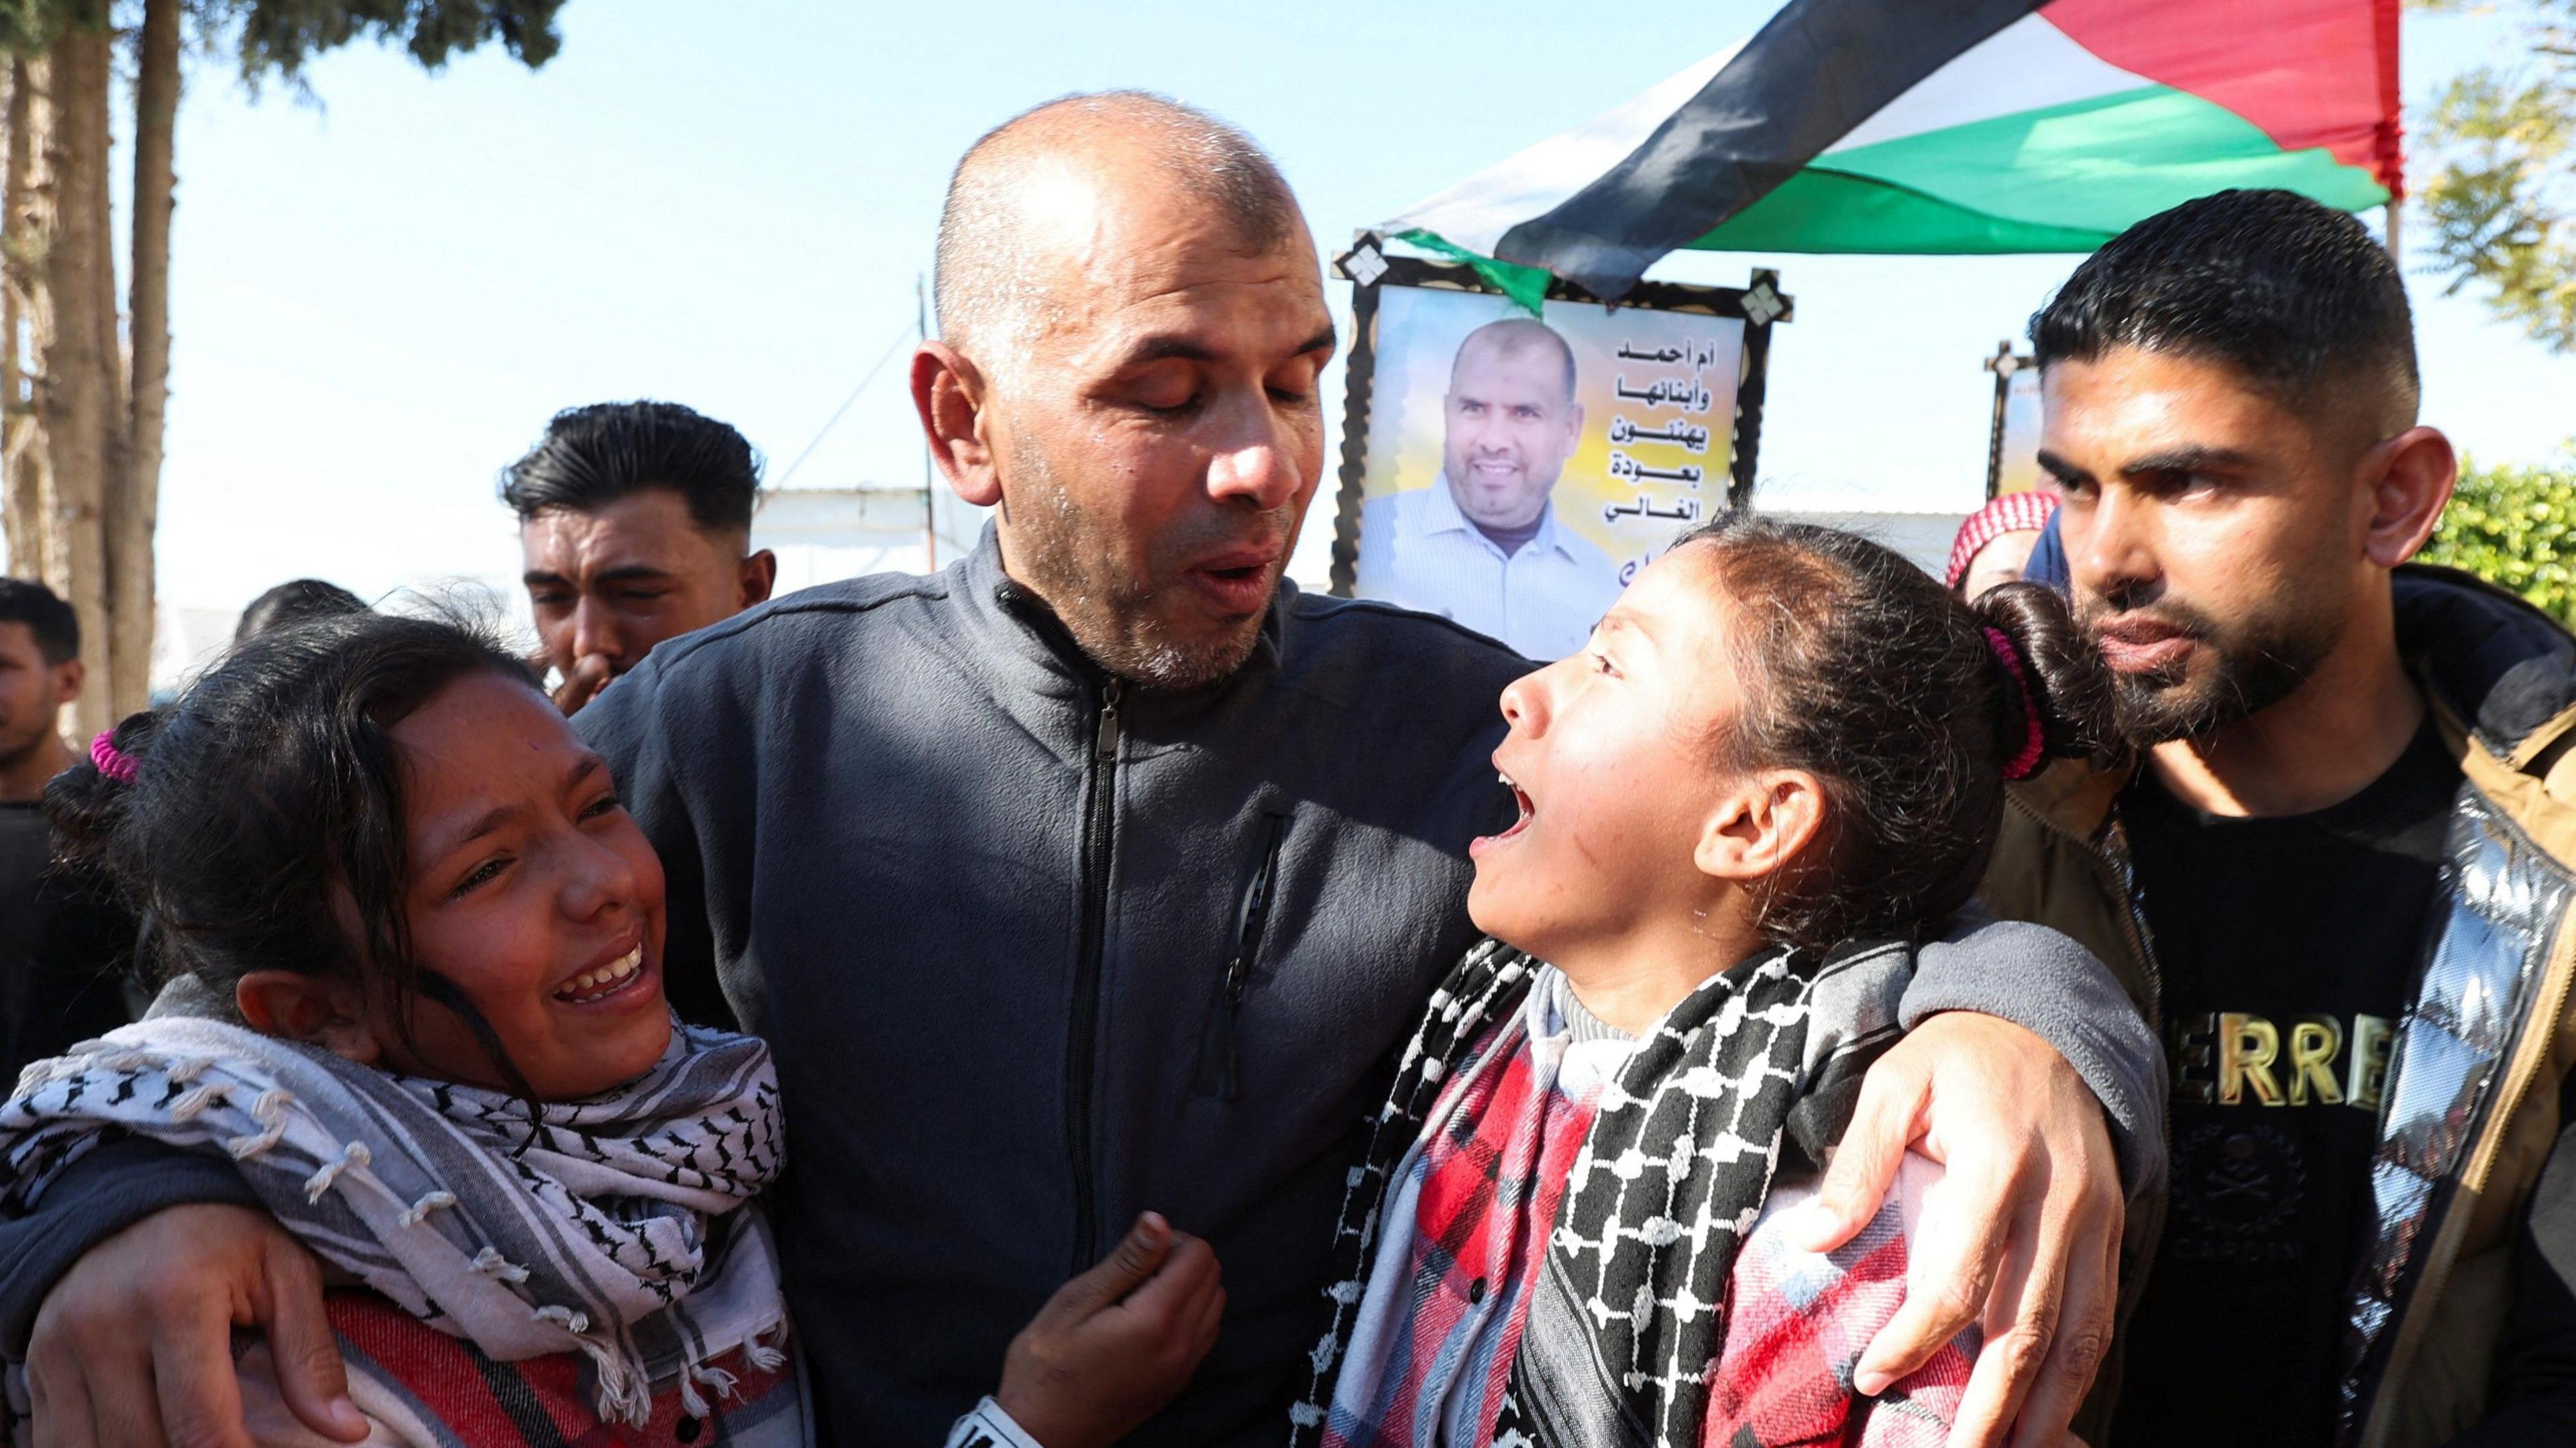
x=1483, y=545
x=1099, y=874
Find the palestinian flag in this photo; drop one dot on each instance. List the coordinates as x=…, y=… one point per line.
x=1950, y=126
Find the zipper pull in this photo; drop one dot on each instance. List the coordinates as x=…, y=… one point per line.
x=1105, y=742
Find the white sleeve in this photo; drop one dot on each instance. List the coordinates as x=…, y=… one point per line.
x=989, y=1427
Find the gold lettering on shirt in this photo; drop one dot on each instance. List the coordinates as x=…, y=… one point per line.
x=2191, y=1036
x=2246, y=1046
x=2367, y=1075
x=2315, y=1041
x=2236, y=1058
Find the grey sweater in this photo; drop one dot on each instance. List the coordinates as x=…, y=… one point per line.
x=1037, y=950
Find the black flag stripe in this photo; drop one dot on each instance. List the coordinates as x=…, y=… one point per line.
x=1818, y=69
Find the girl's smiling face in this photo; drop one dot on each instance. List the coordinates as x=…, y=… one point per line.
x=532, y=891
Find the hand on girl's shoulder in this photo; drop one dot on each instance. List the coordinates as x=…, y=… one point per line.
x=1801, y=1317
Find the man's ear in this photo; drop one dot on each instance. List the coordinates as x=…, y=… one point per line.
x=1760, y=823
x=69, y=675
x=949, y=392
x=2410, y=477
x=759, y=576
x=316, y=1010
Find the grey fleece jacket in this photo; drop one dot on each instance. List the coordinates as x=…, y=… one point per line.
x=1037, y=950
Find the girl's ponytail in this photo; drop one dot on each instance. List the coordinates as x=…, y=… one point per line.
x=2052, y=674
x=87, y=802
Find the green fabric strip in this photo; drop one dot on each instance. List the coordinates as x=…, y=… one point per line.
x=2062, y=178
x=1526, y=285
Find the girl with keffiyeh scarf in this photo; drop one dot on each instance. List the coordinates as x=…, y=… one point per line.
x=1774, y=773
x=412, y=946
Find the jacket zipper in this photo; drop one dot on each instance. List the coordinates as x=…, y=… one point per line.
x=1099, y=834
x=1219, y=1060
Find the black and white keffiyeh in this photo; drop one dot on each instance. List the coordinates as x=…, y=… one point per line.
x=615, y=1226
x=1628, y=1315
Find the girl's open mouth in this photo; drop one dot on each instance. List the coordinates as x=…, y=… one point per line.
x=590, y=987
x=1529, y=812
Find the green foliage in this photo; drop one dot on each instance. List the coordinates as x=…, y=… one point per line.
x=280, y=36
x=2515, y=527
x=2502, y=197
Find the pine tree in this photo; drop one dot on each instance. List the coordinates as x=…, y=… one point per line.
x=84, y=382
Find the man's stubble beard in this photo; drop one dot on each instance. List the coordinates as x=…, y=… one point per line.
x=2254, y=665
x=1117, y=620
x=17, y=750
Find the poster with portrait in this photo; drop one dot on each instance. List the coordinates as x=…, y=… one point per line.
x=1512, y=472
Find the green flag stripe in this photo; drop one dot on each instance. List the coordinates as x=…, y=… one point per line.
x=1819, y=210
x=2061, y=178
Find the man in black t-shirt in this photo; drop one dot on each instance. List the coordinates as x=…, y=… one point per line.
x=2339, y=873
x=2290, y=946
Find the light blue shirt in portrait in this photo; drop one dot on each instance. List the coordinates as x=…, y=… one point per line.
x=1418, y=550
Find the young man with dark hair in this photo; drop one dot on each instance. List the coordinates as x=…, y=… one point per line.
x=60, y=939
x=40, y=672
x=2343, y=866
x=635, y=522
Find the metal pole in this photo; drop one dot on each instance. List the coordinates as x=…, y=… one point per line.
x=2395, y=209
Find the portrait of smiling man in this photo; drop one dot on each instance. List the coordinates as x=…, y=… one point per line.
x=1483, y=545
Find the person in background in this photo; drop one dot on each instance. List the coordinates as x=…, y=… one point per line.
x=292, y=602
x=2344, y=876
x=60, y=943
x=40, y=672
x=2047, y=562
x=1483, y=545
x=1995, y=542
x=635, y=527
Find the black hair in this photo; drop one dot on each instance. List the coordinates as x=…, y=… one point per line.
x=2290, y=292
x=53, y=622
x=292, y=602
x=593, y=456
x=1863, y=670
x=270, y=792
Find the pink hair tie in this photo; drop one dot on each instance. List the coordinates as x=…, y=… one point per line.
x=113, y=762
x=2026, y=763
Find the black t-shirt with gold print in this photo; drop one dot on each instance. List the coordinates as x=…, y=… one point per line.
x=2289, y=948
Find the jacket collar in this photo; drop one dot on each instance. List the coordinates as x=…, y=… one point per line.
x=2501, y=666
x=1043, y=650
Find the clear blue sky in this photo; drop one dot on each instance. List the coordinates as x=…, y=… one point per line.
x=379, y=299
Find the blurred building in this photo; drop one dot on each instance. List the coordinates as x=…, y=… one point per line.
x=822, y=535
